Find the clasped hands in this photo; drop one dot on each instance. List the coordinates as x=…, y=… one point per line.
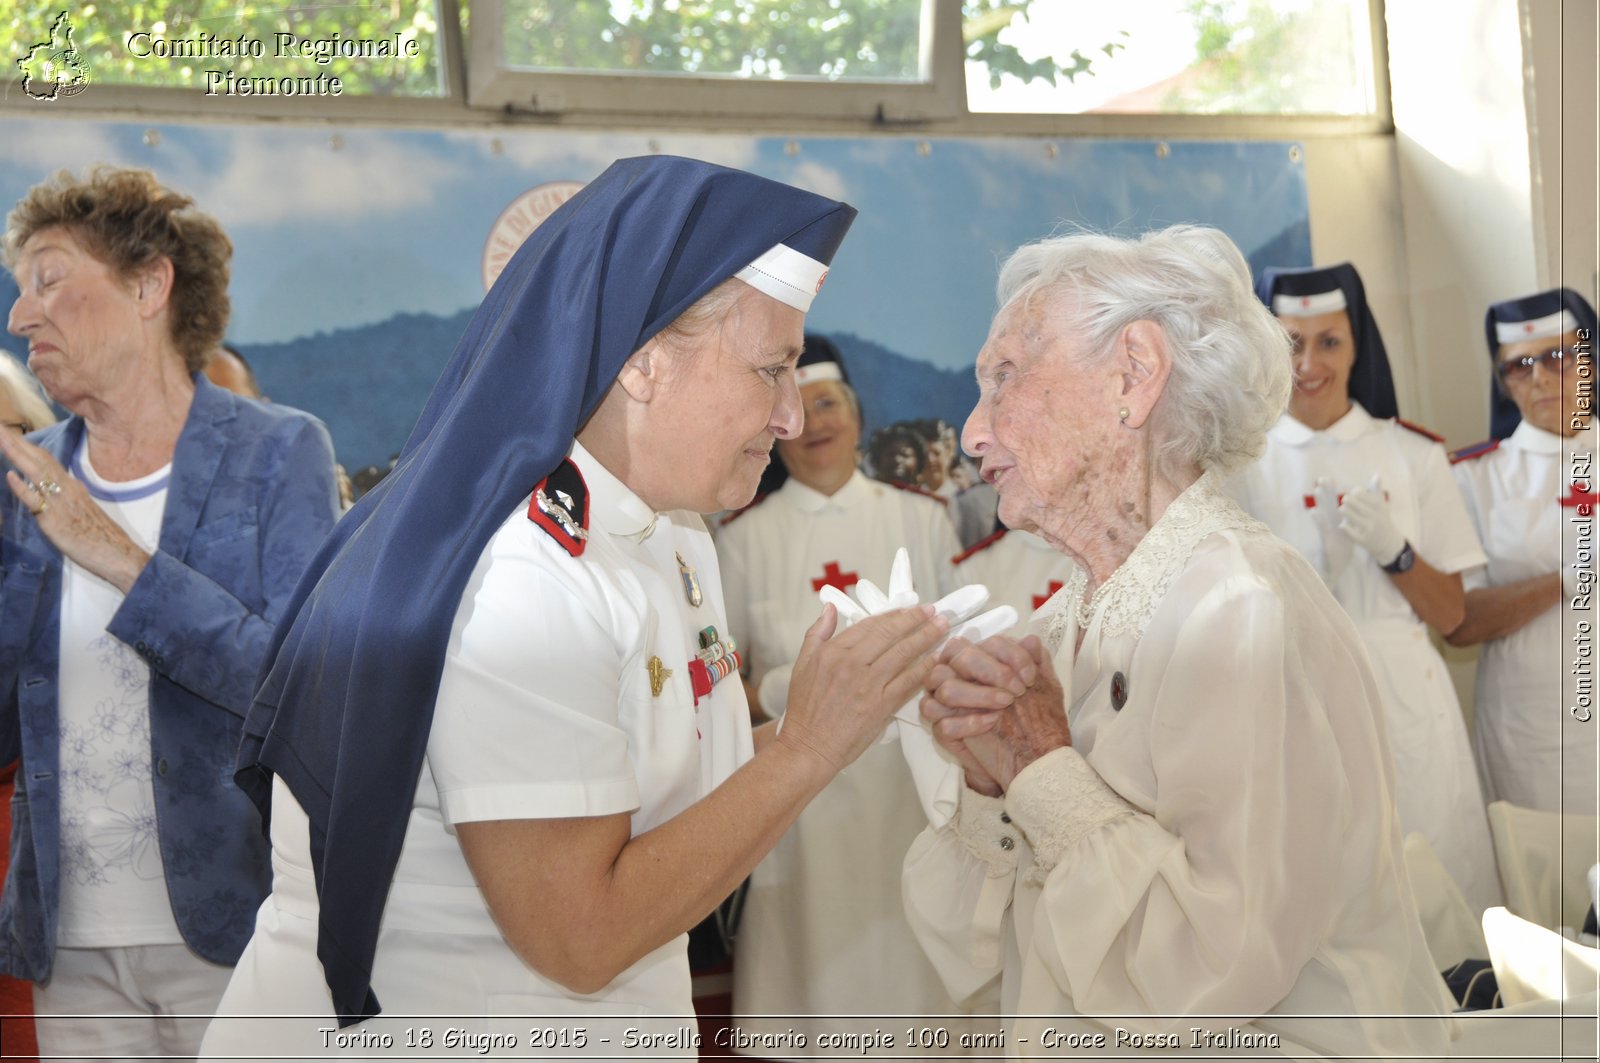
x=992, y=702
x=996, y=706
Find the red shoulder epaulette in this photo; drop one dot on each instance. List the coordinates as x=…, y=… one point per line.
x=1477, y=450
x=1417, y=428
x=736, y=514
x=981, y=545
x=561, y=507
x=914, y=489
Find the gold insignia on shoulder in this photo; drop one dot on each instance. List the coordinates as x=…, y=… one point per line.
x=659, y=674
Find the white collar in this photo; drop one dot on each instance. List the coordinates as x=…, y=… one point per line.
x=613, y=506
x=1535, y=440
x=1355, y=423
x=1130, y=597
x=810, y=500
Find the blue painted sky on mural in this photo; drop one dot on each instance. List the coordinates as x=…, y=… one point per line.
x=339, y=228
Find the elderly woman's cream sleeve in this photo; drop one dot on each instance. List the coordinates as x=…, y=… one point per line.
x=1212, y=899
x=958, y=881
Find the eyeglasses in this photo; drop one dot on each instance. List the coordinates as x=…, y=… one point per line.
x=1520, y=370
x=20, y=427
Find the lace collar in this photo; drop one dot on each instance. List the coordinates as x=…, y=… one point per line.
x=1129, y=598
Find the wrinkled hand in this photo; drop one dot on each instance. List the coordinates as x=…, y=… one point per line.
x=1364, y=516
x=67, y=516
x=1336, y=545
x=997, y=706
x=847, y=684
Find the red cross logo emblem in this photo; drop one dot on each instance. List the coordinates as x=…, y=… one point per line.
x=1576, y=496
x=1528, y=327
x=832, y=577
x=1305, y=301
x=1049, y=592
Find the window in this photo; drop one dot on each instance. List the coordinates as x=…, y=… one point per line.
x=831, y=58
x=1017, y=66
x=1261, y=57
x=777, y=40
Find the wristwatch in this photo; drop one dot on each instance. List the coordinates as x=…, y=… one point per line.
x=1402, y=561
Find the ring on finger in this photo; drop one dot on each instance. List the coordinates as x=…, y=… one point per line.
x=44, y=504
x=48, y=487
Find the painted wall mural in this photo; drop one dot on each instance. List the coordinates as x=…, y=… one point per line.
x=360, y=254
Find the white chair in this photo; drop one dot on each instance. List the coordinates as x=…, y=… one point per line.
x=1534, y=963
x=1452, y=931
x=1544, y=860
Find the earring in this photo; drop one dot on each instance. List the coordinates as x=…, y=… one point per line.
x=1123, y=414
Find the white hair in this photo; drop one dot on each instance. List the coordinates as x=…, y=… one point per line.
x=25, y=392
x=1231, y=372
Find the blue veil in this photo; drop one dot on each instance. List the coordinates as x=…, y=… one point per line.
x=1371, y=382
x=1503, y=413
x=345, y=704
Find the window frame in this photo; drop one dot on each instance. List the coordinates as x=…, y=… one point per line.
x=544, y=92
x=475, y=92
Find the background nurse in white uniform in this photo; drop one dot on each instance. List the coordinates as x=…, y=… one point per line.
x=1019, y=568
x=824, y=930
x=1520, y=493
x=1370, y=502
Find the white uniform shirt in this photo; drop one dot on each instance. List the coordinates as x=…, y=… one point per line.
x=1533, y=752
x=777, y=554
x=1439, y=793
x=824, y=929
x=1220, y=838
x=545, y=711
x=1019, y=568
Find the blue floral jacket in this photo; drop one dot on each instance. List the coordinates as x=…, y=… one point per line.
x=252, y=496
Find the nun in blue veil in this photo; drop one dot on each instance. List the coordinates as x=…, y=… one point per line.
x=1526, y=490
x=1557, y=319
x=1369, y=500
x=504, y=771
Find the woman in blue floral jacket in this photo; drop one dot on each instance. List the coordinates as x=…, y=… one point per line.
x=147, y=545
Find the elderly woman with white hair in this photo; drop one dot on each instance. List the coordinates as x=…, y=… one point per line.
x=1178, y=810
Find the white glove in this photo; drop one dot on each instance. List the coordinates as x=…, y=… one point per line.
x=1336, y=545
x=774, y=690
x=935, y=774
x=957, y=606
x=1364, y=517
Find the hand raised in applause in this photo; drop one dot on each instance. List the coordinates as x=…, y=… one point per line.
x=997, y=706
x=1364, y=516
x=847, y=684
x=67, y=516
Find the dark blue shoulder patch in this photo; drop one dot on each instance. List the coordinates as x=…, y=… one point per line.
x=1477, y=450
